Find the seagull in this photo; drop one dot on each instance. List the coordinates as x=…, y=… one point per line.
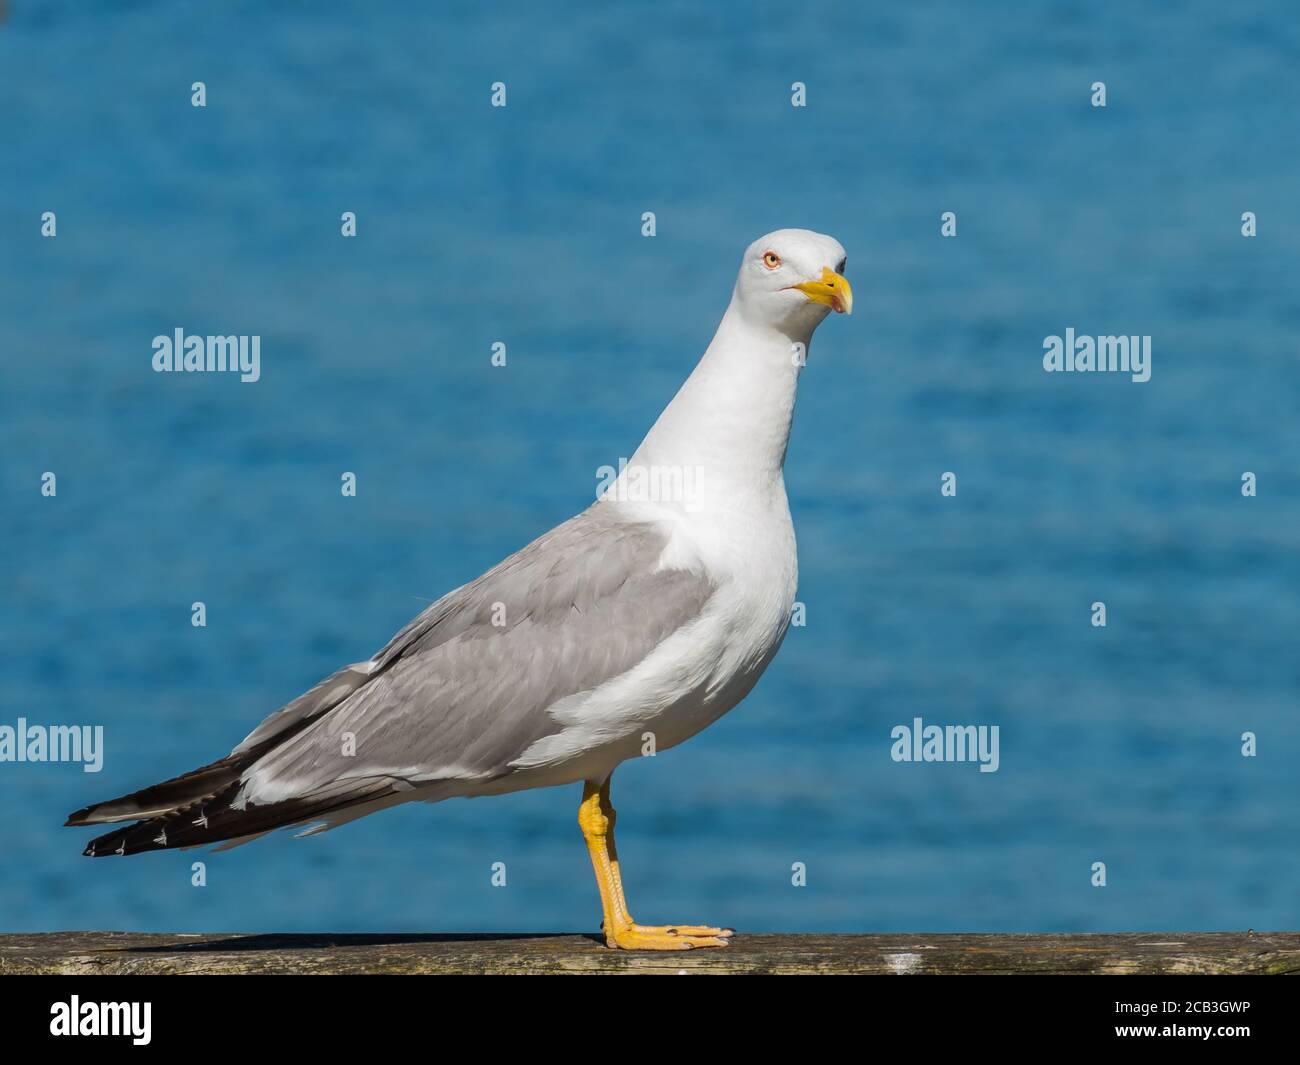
x=620, y=633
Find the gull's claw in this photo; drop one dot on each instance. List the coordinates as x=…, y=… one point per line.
x=667, y=937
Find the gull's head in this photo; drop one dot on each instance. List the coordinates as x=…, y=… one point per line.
x=793, y=278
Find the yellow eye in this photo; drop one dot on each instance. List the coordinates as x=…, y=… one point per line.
x=771, y=260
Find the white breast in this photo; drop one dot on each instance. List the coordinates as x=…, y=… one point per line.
x=704, y=669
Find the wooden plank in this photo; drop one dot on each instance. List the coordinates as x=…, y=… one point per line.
x=85, y=953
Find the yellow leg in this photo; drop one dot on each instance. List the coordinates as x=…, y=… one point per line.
x=596, y=817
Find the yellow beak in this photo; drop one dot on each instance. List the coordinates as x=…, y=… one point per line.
x=832, y=290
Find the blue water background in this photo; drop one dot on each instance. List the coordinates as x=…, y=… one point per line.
x=522, y=225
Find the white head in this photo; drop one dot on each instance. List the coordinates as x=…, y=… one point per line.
x=732, y=416
x=791, y=279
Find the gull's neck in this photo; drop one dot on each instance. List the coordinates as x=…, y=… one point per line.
x=730, y=421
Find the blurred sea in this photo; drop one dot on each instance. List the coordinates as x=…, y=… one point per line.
x=522, y=225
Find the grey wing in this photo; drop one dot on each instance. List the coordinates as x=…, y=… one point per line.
x=465, y=688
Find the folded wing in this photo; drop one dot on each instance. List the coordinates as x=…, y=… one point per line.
x=456, y=696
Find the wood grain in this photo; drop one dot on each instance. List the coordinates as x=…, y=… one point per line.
x=85, y=953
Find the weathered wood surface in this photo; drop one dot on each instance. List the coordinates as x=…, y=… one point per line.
x=87, y=953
